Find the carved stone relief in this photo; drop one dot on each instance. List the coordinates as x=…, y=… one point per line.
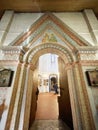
x=13, y=53
x=87, y=53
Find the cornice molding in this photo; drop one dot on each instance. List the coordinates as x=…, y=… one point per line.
x=12, y=53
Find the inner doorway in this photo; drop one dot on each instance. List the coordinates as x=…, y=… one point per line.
x=62, y=101
x=48, y=72
x=47, y=104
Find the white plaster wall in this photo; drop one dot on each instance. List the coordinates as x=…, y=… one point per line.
x=76, y=22
x=21, y=22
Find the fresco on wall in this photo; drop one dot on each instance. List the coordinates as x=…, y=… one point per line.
x=49, y=38
x=5, y=77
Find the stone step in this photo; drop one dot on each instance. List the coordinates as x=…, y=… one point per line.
x=49, y=125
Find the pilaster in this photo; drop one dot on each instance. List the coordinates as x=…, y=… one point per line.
x=11, y=57
x=18, y=100
x=77, y=123
x=83, y=100
x=13, y=97
x=26, y=101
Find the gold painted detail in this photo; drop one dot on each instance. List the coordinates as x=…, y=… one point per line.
x=49, y=38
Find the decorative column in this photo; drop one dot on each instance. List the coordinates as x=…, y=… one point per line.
x=18, y=101
x=81, y=111
x=83, y=118
x=84, y=104
x=12, y=102
x=77, y=124
x=14, y=55
x=26, y=101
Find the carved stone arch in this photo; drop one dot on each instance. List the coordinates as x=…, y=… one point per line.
x=33, y=54
x=31, y=58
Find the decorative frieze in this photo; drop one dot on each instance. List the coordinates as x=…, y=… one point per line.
x=87, y=53
x=87, y=56
x=52, y=46
x=12, y=53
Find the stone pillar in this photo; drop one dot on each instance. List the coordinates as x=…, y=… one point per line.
x=5, y=24
x=18, y=100
x=14, y=56
x=26, y=101
x=34, y=97
x=13, y=98
x=81, y=109
x=92, y=23
x=74, y=101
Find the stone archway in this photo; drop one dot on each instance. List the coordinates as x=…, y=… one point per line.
x=80, y=108
x=22, y=89
x=32, y=57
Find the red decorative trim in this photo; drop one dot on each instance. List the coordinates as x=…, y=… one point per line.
x=55, y=20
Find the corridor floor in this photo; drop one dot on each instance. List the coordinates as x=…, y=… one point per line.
x=47, y=114
x=47, y=106
x=49, y=125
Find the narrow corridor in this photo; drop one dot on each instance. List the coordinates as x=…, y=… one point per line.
x=47, y=114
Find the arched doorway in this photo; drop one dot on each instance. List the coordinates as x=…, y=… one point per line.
x=72, y=57
x=63, y=100
x=32, y=58
x=53, y=79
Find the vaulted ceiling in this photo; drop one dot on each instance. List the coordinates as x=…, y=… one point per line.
x=48, y=5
